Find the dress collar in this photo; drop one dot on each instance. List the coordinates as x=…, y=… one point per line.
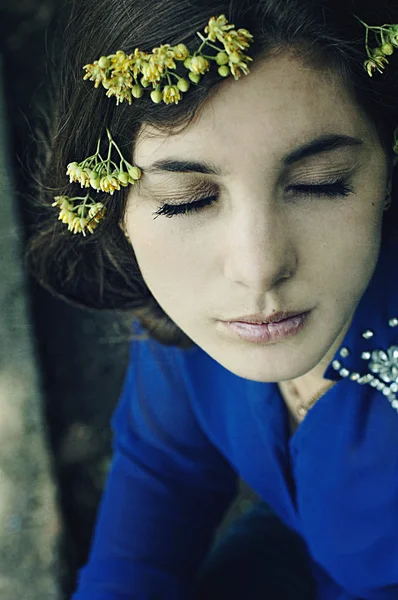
x=369, y=351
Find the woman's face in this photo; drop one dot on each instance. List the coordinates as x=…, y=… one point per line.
x=262, y=246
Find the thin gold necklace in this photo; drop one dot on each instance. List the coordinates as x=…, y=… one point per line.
x=302, y=409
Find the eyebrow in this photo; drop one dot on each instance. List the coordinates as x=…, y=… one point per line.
x=318, y=145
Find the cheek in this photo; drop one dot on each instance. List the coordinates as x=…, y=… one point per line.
x=165, y=257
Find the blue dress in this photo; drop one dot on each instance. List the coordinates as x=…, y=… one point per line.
x=185, y=430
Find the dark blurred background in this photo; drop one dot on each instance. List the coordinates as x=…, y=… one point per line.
x=80, y=356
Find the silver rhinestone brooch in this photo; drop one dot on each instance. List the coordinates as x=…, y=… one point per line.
x=383, y=363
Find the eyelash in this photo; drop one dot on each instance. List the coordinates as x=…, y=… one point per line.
x=339, y=188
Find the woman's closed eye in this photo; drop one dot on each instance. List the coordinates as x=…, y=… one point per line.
x=336, y=189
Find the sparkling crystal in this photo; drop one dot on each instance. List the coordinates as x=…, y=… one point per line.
x=394, y=387
x=344, y=372
x=336, y=365
x=367, y=334
x=393, y=322
x=344, y=352
x=354, y=376
x=366, y=355
x=395, y=403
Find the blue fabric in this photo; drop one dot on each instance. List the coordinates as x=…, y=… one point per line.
x=258, y=557
x=186, y=428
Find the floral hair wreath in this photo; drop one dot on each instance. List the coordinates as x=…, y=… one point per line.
x=129, y=76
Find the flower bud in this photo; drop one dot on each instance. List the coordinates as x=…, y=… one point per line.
x=134, y=172
x=187, y=63
x=144, y=82
x=104, y=62
x=224, y=71
x=183, y=85
x=123, y=178
x=156, y=96
x=194, y=77
x=387, y=49
x=222, y=58
x=95, y=182
x=137, y=91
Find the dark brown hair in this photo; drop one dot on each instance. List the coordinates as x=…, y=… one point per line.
x=100, y=271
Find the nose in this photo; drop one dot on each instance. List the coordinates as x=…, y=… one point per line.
x=259, y=248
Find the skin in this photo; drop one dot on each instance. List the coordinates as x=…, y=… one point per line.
x=261, y=247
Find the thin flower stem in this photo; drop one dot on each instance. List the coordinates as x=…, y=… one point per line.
x=86, y=160
x=366, y=42
x=86, y=197
x=215, y=47
x=109, y=158
x=120, y=154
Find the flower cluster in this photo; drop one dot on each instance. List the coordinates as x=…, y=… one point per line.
x=127, y=76
x=80, y=218
x=387, y=38
x=102, y=175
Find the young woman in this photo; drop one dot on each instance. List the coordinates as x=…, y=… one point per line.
x=261, y=199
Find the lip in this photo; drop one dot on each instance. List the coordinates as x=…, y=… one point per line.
x=268, y=332
x=260, y=319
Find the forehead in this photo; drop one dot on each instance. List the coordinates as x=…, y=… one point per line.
x=280, y=103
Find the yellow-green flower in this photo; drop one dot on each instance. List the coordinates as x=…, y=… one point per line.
x=120, y=86
x=181, y=52
x=199, y=65
x=97, y=211
x=238, y=68
x=381, y=61
x=94, y=73
x=65, y=215
x=217, y=27
x=138, y=59
x=163, y=56
x=78, y=225
x=234, y=40
x=109, y=184
x=370, y=66
x=171, y=94
x=73, y=170
x=152, y=72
